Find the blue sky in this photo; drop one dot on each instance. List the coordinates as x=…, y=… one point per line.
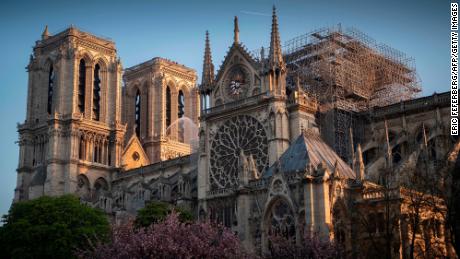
x=175, y=30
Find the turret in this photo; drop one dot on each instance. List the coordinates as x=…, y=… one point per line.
x=359, y=164
x=276, y=68
x=45, y=34
x=236, y=31
x=207, y=78
x=275, y=57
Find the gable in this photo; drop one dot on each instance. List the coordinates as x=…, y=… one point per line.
x=237, y=57
x=235, y=50
x=134, y=155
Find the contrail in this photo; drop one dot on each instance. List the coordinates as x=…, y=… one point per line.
x=255, y=13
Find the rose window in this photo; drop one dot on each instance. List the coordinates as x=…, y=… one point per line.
x=240, y=133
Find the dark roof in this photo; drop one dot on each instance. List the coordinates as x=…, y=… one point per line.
x=309, y=149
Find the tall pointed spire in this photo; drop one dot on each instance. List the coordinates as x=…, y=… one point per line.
x=45, y=34
x=387, y=138
x=275, y=57
x=208, y=68
x=236, y=31
x=352, y=146
x=359, y=164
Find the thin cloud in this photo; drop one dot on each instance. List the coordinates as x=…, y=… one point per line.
x=255, y=13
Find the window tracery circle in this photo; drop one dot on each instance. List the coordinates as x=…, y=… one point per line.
x=240, y=133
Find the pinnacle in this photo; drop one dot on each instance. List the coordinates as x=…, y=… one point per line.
x=275, y=56
x=236, y=31
x=45, y=33
x=208, y=68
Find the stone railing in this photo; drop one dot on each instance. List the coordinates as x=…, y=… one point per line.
x=379, y=194
x=258, y=184
x=236, y=104
x=303, y=99
x=373, y=195
x=442, y=99
x=220, y=193
x=155, y=167
x=179, y=146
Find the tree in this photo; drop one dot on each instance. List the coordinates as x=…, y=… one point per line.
x=50, y=227
x=169, y=239
x=449, y=191
x=155, y=212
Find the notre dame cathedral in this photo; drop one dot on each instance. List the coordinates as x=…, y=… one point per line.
x=279, y=141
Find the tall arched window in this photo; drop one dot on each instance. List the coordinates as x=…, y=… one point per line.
x=208, y=101
x=137, y=113
x=97, y=93
x=97, y=152
x=168, y=106
x=50, y=89
x=180, y=114
x=181, y=104
x=81, y=151
x=81, y=86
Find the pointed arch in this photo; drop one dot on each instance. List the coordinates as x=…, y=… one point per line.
x=279, y=124
x=272, y=122
x=51, y=82
x=168, y=106
x=279, y=219
x=285, y=125
x=186, y=102
x=83, y=187
x=102, y=62
x=180, y=114
x=81, y=86
x=96, y=115
x=101, y=184
x=82, y=148
x=137, y=113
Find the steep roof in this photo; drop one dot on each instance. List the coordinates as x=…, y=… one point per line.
x=309, y=149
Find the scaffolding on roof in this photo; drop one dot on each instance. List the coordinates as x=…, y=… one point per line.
x=348, y=68
x=348, y=72
x=352, y=68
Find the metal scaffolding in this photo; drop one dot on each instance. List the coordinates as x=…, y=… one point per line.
x=348, y=72
x=349, y=69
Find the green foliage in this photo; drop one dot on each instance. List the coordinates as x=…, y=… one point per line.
x=155, y=212
x=50, y=227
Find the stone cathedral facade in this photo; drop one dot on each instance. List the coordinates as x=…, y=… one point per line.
x=244, y=147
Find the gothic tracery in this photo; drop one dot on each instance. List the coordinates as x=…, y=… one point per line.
x=240, y=133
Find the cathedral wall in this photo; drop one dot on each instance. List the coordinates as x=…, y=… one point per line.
x=410, y=124
x=169, y=181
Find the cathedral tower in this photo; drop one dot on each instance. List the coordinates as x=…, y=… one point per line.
x=72, y=137
x=161, y=108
